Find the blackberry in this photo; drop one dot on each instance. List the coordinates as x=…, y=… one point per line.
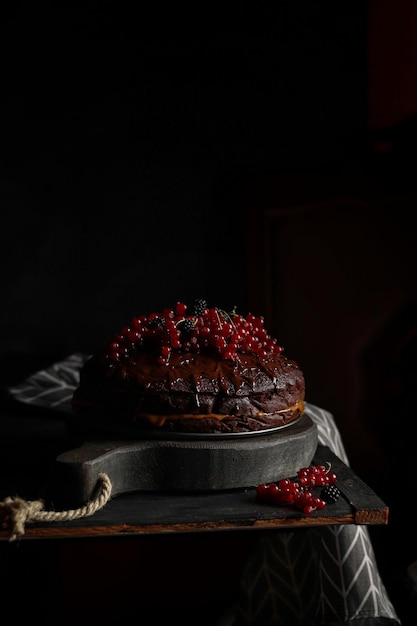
x=186, y=326
x=330, y=494
x=157, y=322
x=198, y=307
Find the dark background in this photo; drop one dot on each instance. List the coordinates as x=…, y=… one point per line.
x=141, y=149
x=128, y=137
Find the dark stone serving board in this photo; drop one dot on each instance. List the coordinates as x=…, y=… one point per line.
x=187, y=464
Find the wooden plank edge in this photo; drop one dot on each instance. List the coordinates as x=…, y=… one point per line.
x=367, y=506
x=68, y=532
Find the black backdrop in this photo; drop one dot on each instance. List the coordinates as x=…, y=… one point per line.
x=128, y=136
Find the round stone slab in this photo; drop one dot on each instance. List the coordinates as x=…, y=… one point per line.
x=196, y=464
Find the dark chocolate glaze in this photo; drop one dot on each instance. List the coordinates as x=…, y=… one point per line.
x=193, y=392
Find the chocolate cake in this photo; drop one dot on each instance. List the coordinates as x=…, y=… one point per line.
x=191, y=370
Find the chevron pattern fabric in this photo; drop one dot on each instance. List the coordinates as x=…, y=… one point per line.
x=318, y=576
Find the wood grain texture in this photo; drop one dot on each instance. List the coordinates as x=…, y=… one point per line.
x=154, y=513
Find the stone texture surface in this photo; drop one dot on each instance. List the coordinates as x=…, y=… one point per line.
x=188, y=464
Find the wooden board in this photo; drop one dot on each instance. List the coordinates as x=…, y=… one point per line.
x=226, y=510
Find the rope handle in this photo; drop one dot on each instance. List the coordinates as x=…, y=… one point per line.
x=15, y=513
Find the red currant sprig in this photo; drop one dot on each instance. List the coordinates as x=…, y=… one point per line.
x=299, y=492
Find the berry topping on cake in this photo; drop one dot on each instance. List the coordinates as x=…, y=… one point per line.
x=196, y=329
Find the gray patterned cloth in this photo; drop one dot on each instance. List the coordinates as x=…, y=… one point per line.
x=307, y=577
x=318, y=576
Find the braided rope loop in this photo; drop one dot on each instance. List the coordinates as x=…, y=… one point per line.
x=15, y=513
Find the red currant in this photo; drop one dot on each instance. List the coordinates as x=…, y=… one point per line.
x=196, y=328
x=299, y=492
